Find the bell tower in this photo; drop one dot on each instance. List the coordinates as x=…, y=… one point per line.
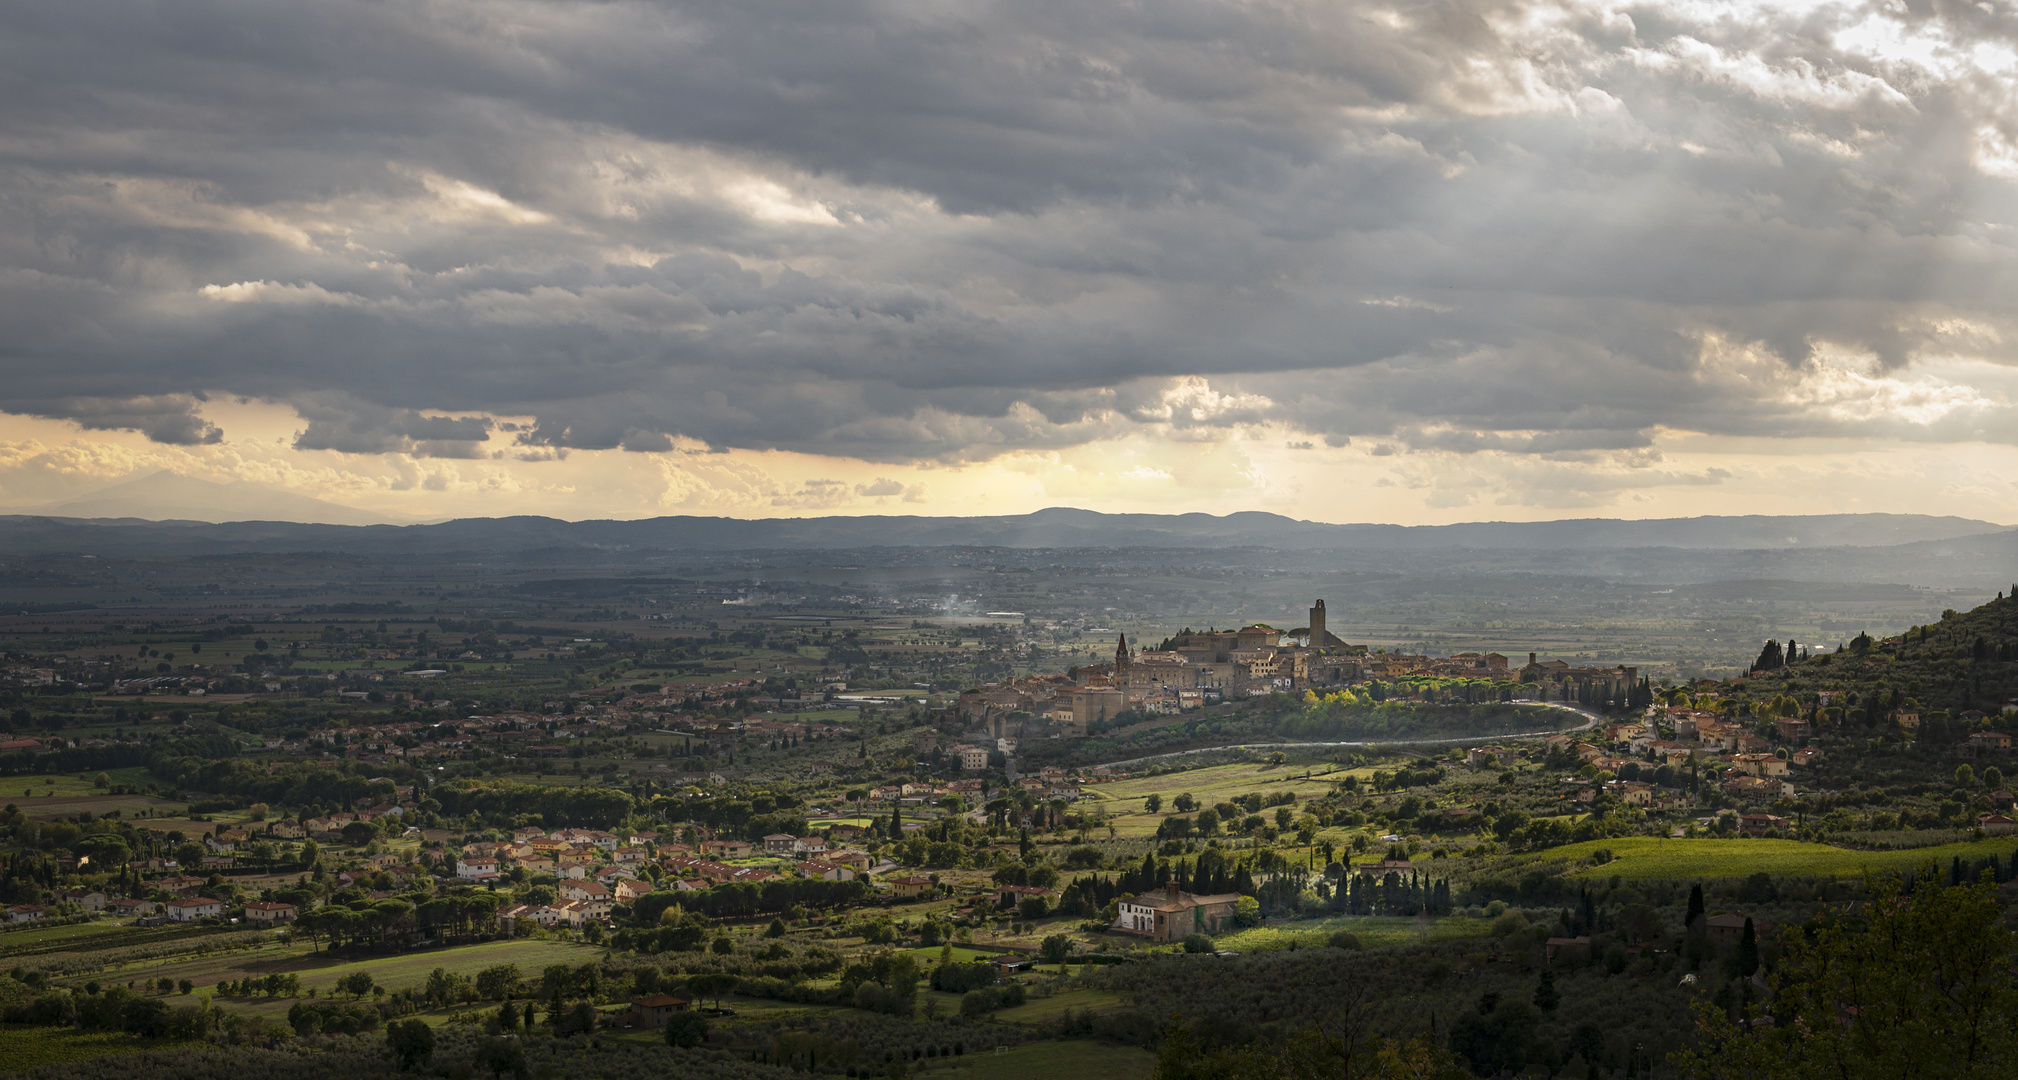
x=1121, y=659
x=1318, y=640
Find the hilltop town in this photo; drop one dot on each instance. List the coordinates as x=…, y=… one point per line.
x=1191, y=670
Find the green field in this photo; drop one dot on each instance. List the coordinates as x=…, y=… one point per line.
x=13, y=940
x=1217, y=783
x=928, y=956
x=1056, y=1059
x=1372, y=930
x=1642, y=857
x=1122, y=800
x=320, y=970
x=1046, y=1010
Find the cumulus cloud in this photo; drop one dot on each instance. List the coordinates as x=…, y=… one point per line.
x=904, y=232
x=165, y=418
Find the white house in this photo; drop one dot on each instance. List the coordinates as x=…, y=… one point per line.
x=193, y=908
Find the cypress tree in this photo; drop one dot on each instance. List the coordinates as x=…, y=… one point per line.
x=1695, y=915
x=1748, y=950
x=1546, y=995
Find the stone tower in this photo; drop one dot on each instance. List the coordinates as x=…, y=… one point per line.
x=1317, y=637
x=1121, y=659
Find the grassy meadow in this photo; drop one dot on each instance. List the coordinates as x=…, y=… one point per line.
x=1640, y=858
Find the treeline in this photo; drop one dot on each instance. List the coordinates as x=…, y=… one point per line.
x=1498, y=1018
x=745, y=898
x=1393, y=894
x=291, y=785
x=121, y=756
x=1336, y=720
x=115, y=1008
x=1283, y=716
x=754, y=816
x=591, y=807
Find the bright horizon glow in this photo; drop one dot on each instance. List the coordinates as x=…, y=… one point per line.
x=46, y=462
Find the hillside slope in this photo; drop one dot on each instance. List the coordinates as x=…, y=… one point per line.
x=1968, y=661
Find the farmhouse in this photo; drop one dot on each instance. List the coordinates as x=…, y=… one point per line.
x=1170, y=914
x=653, y=1011
x=192, y=908
x=1729, y=929
x=269, y=913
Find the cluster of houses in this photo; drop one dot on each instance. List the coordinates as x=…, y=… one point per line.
x=1740, y=762
x=598, y=870
x=184, y=905
x=1195, y=669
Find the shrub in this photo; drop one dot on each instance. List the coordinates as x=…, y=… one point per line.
x=982, y=1002
x=332, y=1018
x=961, y=978
x=686, y=1029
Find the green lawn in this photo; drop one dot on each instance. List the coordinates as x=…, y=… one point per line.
x=1642, y=857
x=1050, y=1060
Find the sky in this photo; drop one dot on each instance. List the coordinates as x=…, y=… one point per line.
x=1346, y=261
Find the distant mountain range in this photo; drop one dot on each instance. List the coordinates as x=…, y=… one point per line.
x=1053, y=528
x=171, y=496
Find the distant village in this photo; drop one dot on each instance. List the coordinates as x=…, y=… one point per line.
x=1194, y=669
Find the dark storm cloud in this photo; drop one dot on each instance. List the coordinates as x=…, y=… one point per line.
x=910, y=230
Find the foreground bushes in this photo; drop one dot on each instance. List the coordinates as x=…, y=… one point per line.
x=115, y=1009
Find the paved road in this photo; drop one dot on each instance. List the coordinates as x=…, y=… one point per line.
x=1590, y=720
